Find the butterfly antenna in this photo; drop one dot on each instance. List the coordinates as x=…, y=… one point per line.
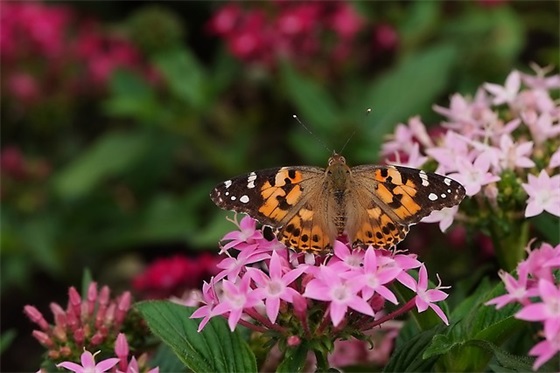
x=312, y=134
x=368, y=111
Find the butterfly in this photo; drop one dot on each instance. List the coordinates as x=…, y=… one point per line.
x=309, y=207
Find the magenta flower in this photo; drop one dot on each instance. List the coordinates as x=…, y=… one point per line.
x=88, y=364
x=341, y=293
x=275, y=286
x=210, y=299
x=426, y=297
x=236, y=297
x=517, y=289
x=546, y=349
x=547, y=311
x=544, y=194
x=373, y=277
x=232, y=266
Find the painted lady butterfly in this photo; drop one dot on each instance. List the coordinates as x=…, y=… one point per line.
x=311, y=206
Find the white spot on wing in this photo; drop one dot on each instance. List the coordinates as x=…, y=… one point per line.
x=443, y=195
x=447, y=181
x=244, y=199
x=227, y=183
x=233, y=198
x=251, y=180
x=424, y=178
x=432, y=197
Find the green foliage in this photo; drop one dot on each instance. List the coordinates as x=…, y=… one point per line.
x=215, y=349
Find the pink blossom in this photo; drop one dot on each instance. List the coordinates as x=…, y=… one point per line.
x=341, y=293
x=547, y=311
x=385, y=37
x=544, y=194
x=232, y=266
x=247, y=235
x=373, y=277
x=546, y=349
x=517, y=289
x=474, y=175
x=275, y=286
x=88, y=364
x=542, y=127
x=541, y=81
x=450, y=153
x=345, y=21
x=224, y=21
x=236, y=297
x=506, y=93
x=444, y=217
x=426, y=297
x=555, y=159
x=515, y=155
x=210, y=298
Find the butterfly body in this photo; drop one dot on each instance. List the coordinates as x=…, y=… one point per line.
x=310, y=207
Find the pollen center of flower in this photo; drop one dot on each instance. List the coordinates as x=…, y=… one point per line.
x=237, y=301
x=275, y=288
x=340, y=293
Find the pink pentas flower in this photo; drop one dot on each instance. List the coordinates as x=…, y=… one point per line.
x=555, y=159
x=542, y=127
x=210, y=299
x=232, y=266
x=345, y=21
x=236, y=297
x=544, y=194
x=541, y=81
x=517, y=289
x=88, y=364
x=452, y=150
x=374, y=277
x=341, y=293
x=275, y=286
x=541, y=261
x=548, y=310
x=427, y=297
x=506, y=93
x=474, y=175
x=514, y=155
x=346, y=258
x=546, y=349
x=224, y=21
x=444, y=217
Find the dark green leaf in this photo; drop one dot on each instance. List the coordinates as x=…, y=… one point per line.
x=408, y=89
x=314, y=104
x=111, y=155
x=214, y=349
x=6, y=339
x=549, y=226
x=504, y=361
x=294, y=359
x=166, y=360
x=184, y=75
x=409, y=356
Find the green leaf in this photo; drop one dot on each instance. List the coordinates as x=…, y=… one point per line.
x=6, y=339
x=549, y=226
x=409, y=356
x=294, y=359
x=184, y=75
x=505, y=361
x=313, y=102
x=214, y=349
x=408, y=89
x=130, y=96
x=166, y=360
x=474, y=321
x=87, y=279
x=109, y=156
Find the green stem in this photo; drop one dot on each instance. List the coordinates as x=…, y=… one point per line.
x=509, y=244
x=322, y=361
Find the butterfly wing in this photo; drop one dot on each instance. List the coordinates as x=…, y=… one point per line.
x=288, y=199
x=387, y=199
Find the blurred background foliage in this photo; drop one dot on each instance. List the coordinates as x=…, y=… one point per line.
x=119, y=117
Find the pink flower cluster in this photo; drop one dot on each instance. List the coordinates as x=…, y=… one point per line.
x=537, y=289
x=265, y=286
x=47, y=50
x=119, y=364
x=503, y=129
x=175, y=275
x=85, y=323
x=323, y=31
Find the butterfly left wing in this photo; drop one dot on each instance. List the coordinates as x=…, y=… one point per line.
x=390, y=198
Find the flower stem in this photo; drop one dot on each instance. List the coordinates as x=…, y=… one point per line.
x=322, y=361
x=407, y=307
x=509, y=243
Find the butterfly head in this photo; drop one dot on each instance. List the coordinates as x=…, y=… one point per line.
x=336, y=159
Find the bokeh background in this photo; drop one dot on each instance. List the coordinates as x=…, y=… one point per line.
x=118, y=118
